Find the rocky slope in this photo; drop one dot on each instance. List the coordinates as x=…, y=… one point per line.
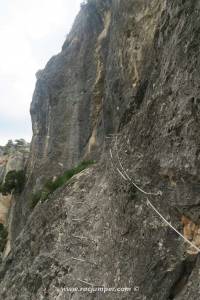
x=131, y=68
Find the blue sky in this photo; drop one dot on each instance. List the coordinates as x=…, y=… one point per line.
x=31, y=32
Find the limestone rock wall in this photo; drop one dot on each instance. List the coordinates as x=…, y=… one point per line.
x=15, y=160
x=68, y=95
x=83, y=92
x=135, y=73
x=5, y=203
x=11, y=158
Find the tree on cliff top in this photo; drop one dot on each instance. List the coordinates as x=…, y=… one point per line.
x=9, y=147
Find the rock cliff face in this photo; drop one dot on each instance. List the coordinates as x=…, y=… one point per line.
x=67, y=102
x=13, y=157
x=129, y=68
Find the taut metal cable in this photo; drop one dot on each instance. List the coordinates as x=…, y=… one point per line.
x=126, y=177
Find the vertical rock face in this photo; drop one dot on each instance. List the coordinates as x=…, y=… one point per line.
x=67, y=100
x=129, y=67
x=13, y=157
x=5, y=202
x=9, y=162
x=130, y=55
x=83, y=92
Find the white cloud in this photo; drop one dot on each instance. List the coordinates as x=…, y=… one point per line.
x=40, y=17
x=25, y=27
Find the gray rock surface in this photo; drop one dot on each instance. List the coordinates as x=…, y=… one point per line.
x=66, y=102
x=13, y=157
x=132, y=68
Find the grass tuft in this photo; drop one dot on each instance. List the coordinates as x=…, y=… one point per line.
x=51, y=185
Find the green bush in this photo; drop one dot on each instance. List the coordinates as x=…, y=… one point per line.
x=35, y=198
x=51, y=185
x=14, y=182
x=61, y=180
x=41, y=195
x=3, y=237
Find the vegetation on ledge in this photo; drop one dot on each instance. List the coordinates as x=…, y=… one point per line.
x=51, y=185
